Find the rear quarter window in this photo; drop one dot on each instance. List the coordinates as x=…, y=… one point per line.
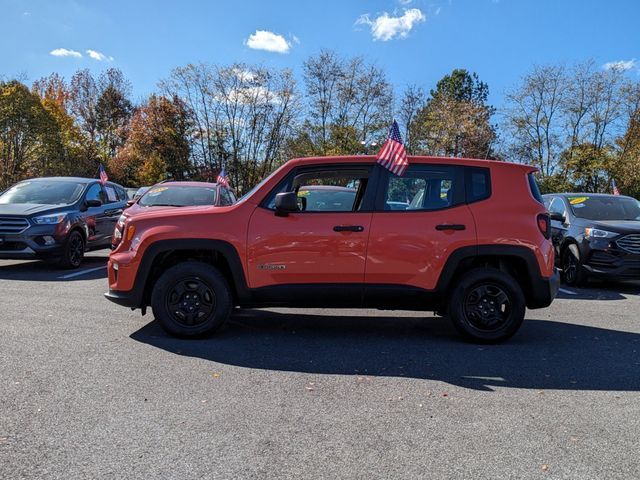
x=533, y=186
x=478, y=184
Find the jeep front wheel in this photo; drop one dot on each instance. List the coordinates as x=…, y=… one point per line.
x=487, y=306
x=191, y=299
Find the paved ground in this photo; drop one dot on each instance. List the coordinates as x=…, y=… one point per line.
x=91, y=390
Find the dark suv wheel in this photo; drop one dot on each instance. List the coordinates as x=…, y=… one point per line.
x=72, y=251
x=191, y=299
x=572, y=272
x=486, y=306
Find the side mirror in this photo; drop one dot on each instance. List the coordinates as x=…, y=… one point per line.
x=558, y=217
x=286, y=202
x=93, y=203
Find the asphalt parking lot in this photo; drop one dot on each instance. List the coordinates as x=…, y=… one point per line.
x=93, y=390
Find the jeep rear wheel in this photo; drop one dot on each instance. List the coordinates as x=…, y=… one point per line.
x=487, y=306
x=191, y=299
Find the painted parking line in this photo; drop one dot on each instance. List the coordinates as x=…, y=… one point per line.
x=568, y=292
x=81, y=272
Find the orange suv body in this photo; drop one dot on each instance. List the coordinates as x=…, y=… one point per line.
x=451, y=235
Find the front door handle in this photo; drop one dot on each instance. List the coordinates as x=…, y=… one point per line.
x=450, y=227
x=348, y=228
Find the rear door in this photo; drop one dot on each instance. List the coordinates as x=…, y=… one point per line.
x=409, y=247
x=322, y=244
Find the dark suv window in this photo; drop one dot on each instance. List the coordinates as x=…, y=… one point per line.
x=95, y=193
x=422, y=187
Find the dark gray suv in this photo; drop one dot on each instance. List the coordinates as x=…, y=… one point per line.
x=58, y=218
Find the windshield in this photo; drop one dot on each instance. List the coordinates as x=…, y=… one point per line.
x=178, y=196
x=43, y=192
x=605, y=207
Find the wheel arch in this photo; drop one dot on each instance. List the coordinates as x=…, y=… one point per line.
x=163, y=254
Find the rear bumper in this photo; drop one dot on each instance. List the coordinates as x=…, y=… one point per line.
x=543, y=290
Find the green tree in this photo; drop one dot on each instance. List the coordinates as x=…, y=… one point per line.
x=28, y=134
x=158, y=143
x=456, y=120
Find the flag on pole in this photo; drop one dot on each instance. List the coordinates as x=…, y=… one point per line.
x=223, y=178
x=393, y=155
x=104, y=178
x=614, y=187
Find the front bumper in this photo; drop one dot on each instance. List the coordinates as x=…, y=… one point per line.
x=613, y=264
x=543, y=290
x=31, y=244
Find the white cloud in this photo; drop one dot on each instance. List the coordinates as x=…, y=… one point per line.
x=385, y=27
x=65, y=52
x=621, y=65
x=269, y=41
x=99, y=56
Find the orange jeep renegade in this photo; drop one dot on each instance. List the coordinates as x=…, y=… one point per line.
x=466, y=238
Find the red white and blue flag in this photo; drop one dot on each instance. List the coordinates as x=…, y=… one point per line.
x=393, y=155
x=104, y=178
x=223, y=178
x=614, y=187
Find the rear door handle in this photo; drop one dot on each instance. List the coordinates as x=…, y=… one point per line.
x=450, y=227
x=348, y=228
x=113, y=212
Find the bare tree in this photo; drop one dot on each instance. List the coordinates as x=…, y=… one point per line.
x=413, y=100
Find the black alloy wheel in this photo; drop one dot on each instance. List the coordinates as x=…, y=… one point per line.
x=73, y=250
x=572, y=272
x=486, y=305
x=191, y=299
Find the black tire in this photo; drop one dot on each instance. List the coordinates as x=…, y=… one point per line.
x=191, y=299
x=474, y=315
x=72, y=251
x=573, y=273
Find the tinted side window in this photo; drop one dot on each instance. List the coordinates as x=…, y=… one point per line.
x=533, y=185
x=94, y=192
x=557, y=206
x=110, y=194
x=478, y=184
x=225, y=198
x=422, y=187
x=327, y=189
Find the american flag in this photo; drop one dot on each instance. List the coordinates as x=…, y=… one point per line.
x=393, y=155
x=104, y=178
x=223, y=178
x=614, y=187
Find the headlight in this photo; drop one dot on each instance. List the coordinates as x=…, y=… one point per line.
x=597, y=233
x=50, y=219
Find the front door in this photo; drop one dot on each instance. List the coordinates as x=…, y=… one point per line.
x=322, y=244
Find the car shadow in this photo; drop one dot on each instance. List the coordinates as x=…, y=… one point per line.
x=600, y=290
x=545, y=354
x=44, y=271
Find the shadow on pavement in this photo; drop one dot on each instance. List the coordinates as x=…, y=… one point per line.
x=600, y=290
x=44, y=271
x=543, y=355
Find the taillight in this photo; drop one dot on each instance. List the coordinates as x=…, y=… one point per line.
x=544, y=224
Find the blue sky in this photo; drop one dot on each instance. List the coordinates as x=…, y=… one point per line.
x=415, y=41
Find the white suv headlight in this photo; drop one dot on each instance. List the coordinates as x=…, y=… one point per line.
x=50, y=219
x=597, y=233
